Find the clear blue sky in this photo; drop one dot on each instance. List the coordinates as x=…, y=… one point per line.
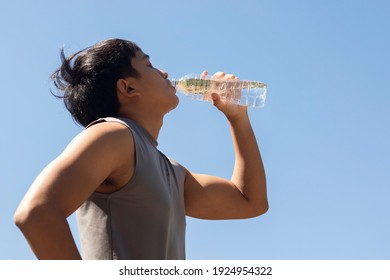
x=323, y=133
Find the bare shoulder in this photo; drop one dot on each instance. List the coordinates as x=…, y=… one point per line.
x=106, y=146
x=104, y=136
x=100, y=154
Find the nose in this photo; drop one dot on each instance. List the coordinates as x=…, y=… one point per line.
x=163, y=73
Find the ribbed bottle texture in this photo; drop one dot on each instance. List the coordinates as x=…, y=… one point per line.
x=241, y=92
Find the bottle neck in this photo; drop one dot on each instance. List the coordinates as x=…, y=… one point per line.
x=174, y=82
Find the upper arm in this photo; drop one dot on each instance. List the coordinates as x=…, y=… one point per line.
x=210, y=197
x=95, y=155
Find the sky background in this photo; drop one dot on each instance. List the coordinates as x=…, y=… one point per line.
x=323, y=133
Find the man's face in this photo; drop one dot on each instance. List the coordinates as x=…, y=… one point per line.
x=153, y=84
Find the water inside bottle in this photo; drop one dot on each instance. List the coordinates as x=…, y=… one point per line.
x=241, y=92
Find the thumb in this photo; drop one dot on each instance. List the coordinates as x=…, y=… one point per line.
x=216, y=100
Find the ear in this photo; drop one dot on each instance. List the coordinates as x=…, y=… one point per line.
x=126, y=88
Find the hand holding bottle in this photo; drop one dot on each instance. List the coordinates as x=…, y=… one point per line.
x=226, y=85
x=229, y=88
x=224, y=102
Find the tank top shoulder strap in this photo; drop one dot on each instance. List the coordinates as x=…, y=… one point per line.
x=108, y=119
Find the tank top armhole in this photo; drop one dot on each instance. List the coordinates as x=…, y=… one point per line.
x=133, y=178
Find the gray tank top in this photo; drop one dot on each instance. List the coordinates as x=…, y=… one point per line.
x=143, y=220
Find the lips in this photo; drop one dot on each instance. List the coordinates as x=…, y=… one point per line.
x=170, y=83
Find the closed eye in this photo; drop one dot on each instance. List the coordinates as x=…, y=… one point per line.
x=147, y=59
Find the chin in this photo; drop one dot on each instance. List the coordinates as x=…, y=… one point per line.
x=174, y=105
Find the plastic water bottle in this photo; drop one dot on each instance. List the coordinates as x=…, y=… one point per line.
x=241, y=92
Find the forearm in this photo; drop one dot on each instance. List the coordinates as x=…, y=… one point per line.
x=245, y=195
x=248, y=174
x=48, y=234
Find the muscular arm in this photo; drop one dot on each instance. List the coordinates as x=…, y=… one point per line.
x=97, y=154
x=245, y=195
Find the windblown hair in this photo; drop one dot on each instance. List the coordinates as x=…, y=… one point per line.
x=86, y=80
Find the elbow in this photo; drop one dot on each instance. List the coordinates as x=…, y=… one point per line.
x=31, y=215
x=265, y=208
x=259, y=209
x=27, y=216
x=22, y=217
x=262, y=210
x=259, y=203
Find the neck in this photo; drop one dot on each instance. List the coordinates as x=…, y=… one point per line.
x=152, y=124
x=152, y=127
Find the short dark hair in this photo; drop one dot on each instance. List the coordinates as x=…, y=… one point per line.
x=86, y=80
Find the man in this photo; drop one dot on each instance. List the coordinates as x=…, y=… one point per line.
x=131, y=199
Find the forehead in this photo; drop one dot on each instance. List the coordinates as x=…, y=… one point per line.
x=140, y=56
x=140, y=60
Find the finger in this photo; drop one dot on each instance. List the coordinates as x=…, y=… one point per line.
x=230, y=76
x=218, y=75
x=204, y=74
